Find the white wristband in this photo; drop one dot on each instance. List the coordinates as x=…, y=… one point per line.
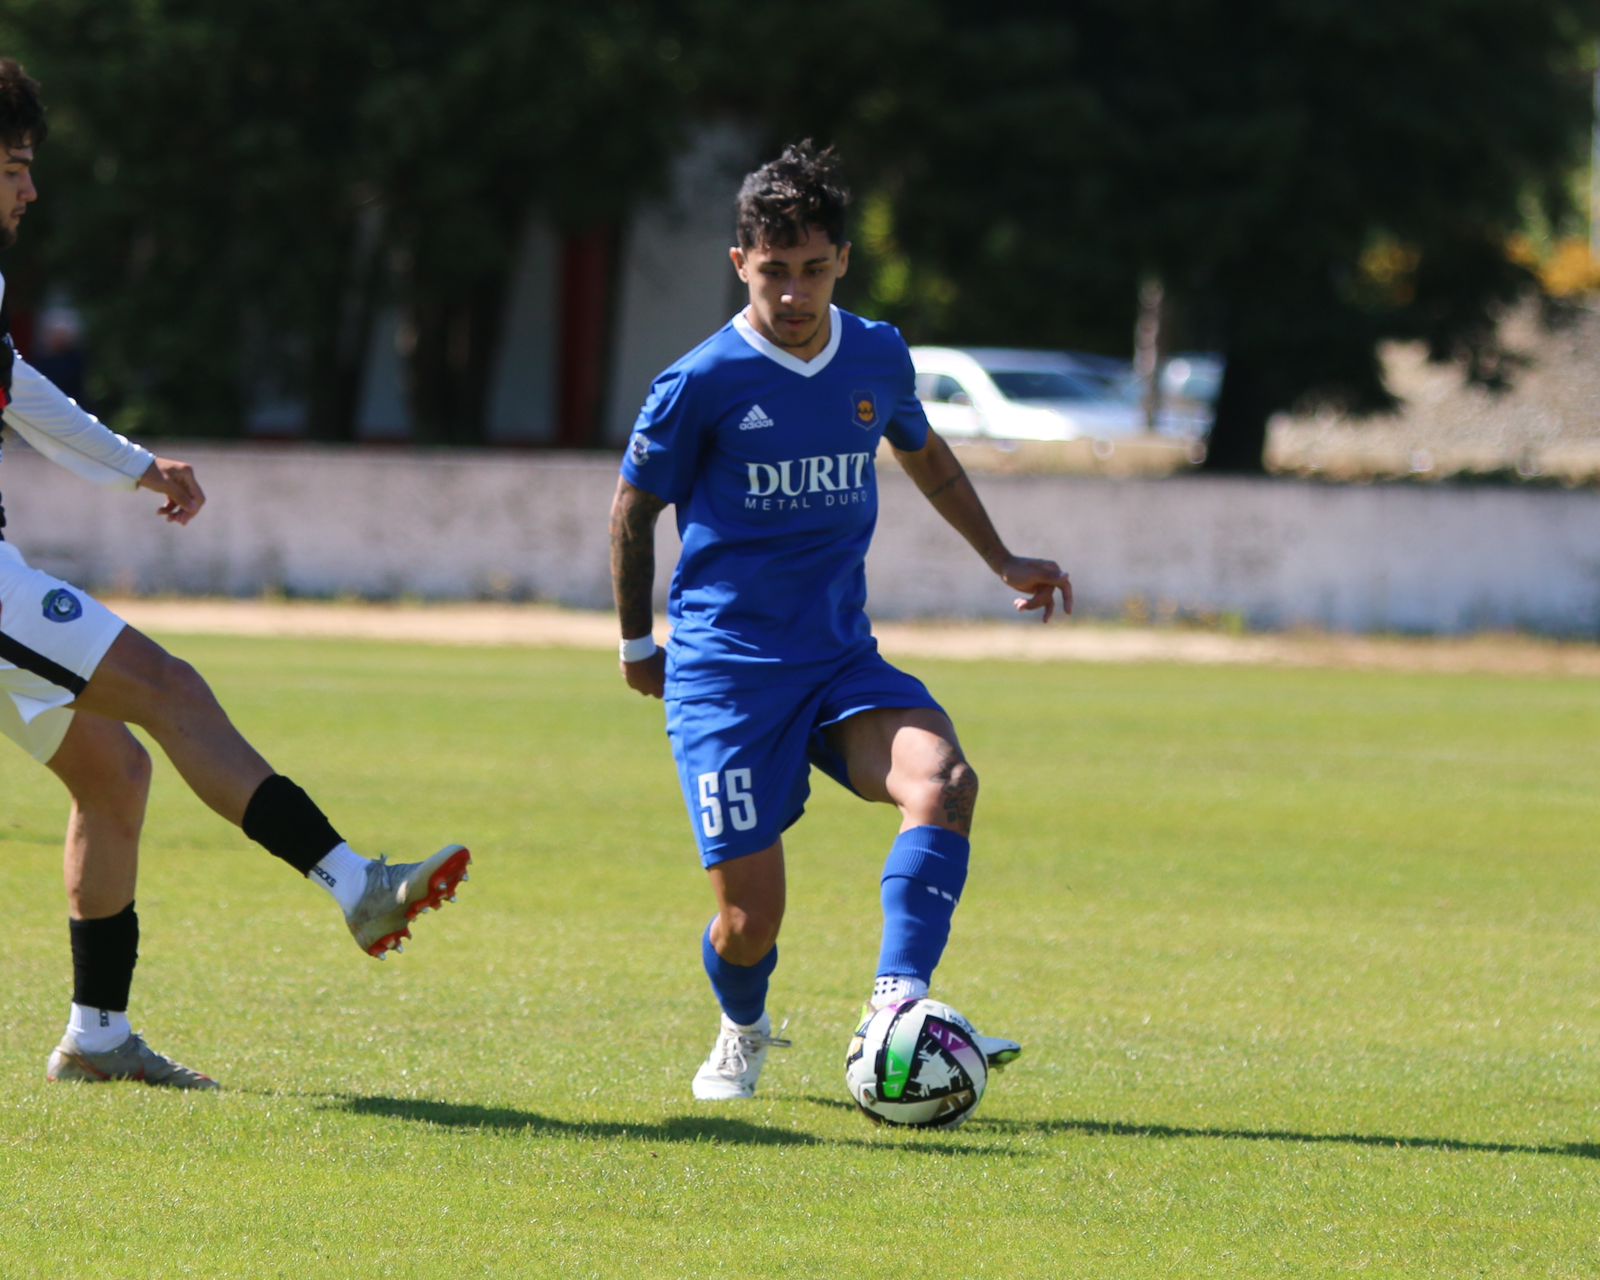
x=637, y=649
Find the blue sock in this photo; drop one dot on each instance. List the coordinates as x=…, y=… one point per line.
x=922, y=882
x=741, y=989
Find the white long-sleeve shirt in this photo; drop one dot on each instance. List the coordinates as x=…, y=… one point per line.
x=52, y=423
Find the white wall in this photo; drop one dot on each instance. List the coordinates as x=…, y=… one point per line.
x=456, y=525
x=1404, y=558
x=522, y=401
x=676, y=286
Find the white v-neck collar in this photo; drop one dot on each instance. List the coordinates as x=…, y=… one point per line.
x=805, y=368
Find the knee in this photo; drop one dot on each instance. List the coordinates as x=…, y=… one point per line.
x=960, y=781
x=111, y=787
x=172, y=687
x=748, y=933
x=134, y=769
x=947, y=796
x=123, y=784
x=105, y=768
x=177, y=682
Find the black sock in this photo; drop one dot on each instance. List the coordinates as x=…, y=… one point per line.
x=104, y=952
x=286, y=822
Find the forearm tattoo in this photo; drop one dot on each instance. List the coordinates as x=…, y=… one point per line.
x=633, y=558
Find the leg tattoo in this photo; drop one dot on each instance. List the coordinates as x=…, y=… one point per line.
x=958, y=793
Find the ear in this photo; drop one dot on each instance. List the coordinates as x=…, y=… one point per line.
x=844, y=258
x=736, y=256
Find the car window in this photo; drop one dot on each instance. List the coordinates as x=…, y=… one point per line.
x=1044, y=384
x=938, y=388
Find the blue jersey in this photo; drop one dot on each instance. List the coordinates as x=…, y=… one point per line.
x=769, y=461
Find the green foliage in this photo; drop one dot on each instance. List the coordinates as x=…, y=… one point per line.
x=1304, y=960
x=1248, y=155
x=232, y=195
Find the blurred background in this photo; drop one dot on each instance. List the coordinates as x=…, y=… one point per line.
x=1344, y=241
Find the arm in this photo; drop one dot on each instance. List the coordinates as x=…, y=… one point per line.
x=54, y=425
x=944, y=483
x=633, y=573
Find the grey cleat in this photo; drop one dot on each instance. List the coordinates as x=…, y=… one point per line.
x=398, y=893
x=133, y=1059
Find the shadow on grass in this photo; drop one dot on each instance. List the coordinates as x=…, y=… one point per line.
x=728, y=1129
x=1122, y=1129
x=690, y=1128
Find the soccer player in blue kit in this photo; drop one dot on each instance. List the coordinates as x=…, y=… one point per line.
x=764, y=438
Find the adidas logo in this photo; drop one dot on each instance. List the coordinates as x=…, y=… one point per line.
x=756, y=419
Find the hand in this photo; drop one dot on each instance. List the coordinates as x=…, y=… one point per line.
x=1041, y=579
x=175, y=480
x=647, y=676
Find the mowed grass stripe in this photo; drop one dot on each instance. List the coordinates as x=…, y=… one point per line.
x=1305, y=963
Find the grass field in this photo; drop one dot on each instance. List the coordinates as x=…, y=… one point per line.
x=1306, y=964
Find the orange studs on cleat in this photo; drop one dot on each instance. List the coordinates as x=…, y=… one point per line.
x=389, y=942
x=399, y=894
x=442, y=885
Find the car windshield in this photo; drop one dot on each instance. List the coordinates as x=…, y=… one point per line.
x=1044, y=384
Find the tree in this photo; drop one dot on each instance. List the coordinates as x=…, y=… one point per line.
x=1305, y=179
x=195, y=200
x=232, y=196
x=486, y=114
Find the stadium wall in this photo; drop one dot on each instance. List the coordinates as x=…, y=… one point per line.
x=329, y=521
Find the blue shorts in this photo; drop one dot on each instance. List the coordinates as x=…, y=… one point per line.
x=744, y=757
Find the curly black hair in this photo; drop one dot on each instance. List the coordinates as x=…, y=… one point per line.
x=780, y=201
x=22, y=122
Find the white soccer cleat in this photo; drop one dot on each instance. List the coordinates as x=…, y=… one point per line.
x=997, y=1050
x=736, y=1060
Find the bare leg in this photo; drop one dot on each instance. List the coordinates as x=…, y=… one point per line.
x=739, y=961
x=912, y=760
x=139, y=682
x=750, y=902
x=107, y=773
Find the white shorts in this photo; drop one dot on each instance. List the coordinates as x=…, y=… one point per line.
x=52, y=637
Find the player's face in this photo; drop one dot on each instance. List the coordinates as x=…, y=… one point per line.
x=17, y=191
x=791, y=289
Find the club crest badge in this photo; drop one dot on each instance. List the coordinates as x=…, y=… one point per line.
x=638, y=449
x=60, y=605
x=864, y=409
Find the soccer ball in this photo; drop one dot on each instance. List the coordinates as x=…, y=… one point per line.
x=915, y=1063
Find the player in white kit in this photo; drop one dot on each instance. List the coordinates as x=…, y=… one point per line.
x=73, y=676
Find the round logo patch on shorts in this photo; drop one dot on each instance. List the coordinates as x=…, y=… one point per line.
x=62, y=606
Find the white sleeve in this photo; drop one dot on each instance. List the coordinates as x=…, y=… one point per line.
x=53, y=424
